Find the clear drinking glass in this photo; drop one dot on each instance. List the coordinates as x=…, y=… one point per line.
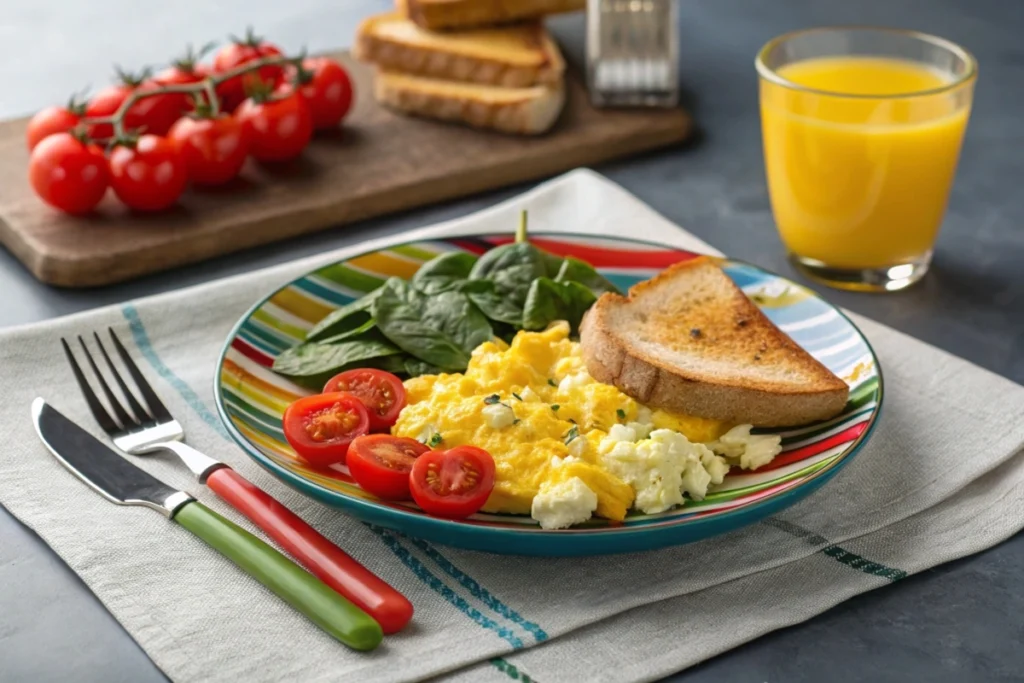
x=862, y=130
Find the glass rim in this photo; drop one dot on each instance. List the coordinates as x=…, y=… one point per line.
x=770, y=74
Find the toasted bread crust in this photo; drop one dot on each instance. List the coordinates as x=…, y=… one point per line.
x=522, y=111
x=434, y=62
x=461, y=14
x=744, y=336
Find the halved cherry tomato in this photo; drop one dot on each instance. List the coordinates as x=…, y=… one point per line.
x=453, y=483
x=242, y=51
x=321, y=427
x=380, y=463
x=214, y=150
x=381, y=392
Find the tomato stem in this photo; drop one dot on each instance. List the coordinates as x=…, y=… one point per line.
x=207, y=86
x=132, y=79
x=78, y=101
x=250, y=39
x=277, y=60
x=302, y=74
x=191, y=57
x=213, y=102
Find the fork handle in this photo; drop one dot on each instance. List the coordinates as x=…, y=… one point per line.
x=326, y=561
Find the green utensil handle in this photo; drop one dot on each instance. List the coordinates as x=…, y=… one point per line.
x=303, y=591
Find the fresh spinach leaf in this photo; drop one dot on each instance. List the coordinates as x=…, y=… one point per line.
x=495, y=303
x=453, y=303
x=549, y=301
x=455, y=314
x=338, y=338
x=504, y=331
x=574, y=270
x=476, y=286
x=444, y=272
x=552, y=263
x=441, y=329
x=518, y=263
x=511, y=268
x=396, y=364
x=345, y=319
x=313, y=363
x=414, y=367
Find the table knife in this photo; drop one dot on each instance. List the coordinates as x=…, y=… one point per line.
x=121, y=482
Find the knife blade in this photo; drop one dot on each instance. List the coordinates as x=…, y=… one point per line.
x=121, y=482
x=101, y=468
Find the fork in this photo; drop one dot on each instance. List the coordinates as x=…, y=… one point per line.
x=633, y=53
x=142, y=430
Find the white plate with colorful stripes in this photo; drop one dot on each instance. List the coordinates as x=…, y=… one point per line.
x=251, y=399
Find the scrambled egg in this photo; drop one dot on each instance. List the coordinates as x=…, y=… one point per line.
x=566, y=446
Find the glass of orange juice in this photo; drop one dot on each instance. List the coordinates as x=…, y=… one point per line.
x=862, y=130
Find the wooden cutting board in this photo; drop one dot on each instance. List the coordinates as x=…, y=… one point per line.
x=380, y=162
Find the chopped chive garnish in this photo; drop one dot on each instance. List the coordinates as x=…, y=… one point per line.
x=621, y=413
x=572, y=434
x=516, y=421
x=552, y=382
x=435, y=440
x=572, y=420
x=492, y=399
x=517, y=396
x=555, y=407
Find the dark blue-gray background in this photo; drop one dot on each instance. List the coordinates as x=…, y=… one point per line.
x=958, y=622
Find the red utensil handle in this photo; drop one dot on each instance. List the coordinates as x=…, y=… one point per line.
x=326, y=561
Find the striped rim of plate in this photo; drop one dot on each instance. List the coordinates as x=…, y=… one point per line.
x=252, y=398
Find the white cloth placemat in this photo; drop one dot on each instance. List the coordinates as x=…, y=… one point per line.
x=920, y=493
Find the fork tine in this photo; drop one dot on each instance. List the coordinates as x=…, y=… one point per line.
x=156, y=406
x=122, y=414
x=141, y=413
x=95, y=407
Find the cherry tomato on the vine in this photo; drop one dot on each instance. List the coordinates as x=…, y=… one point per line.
x=232, y=92
x=105, y=103
x=279, y=125
x=214, y=149
x=149, y=175
x=52, y=120
x=327, y=89
x=183, y=71
x=68, y=174
x=155, y=114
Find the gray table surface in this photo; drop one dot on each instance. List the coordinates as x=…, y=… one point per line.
x=957, y=622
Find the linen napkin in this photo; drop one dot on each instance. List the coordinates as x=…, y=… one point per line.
x=939, y=479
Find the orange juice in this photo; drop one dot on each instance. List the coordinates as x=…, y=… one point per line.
x=860, y=157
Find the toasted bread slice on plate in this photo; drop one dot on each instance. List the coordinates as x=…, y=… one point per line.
x=524, y=111
x=513, y=56
x=462, y=14
x=690, y=341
